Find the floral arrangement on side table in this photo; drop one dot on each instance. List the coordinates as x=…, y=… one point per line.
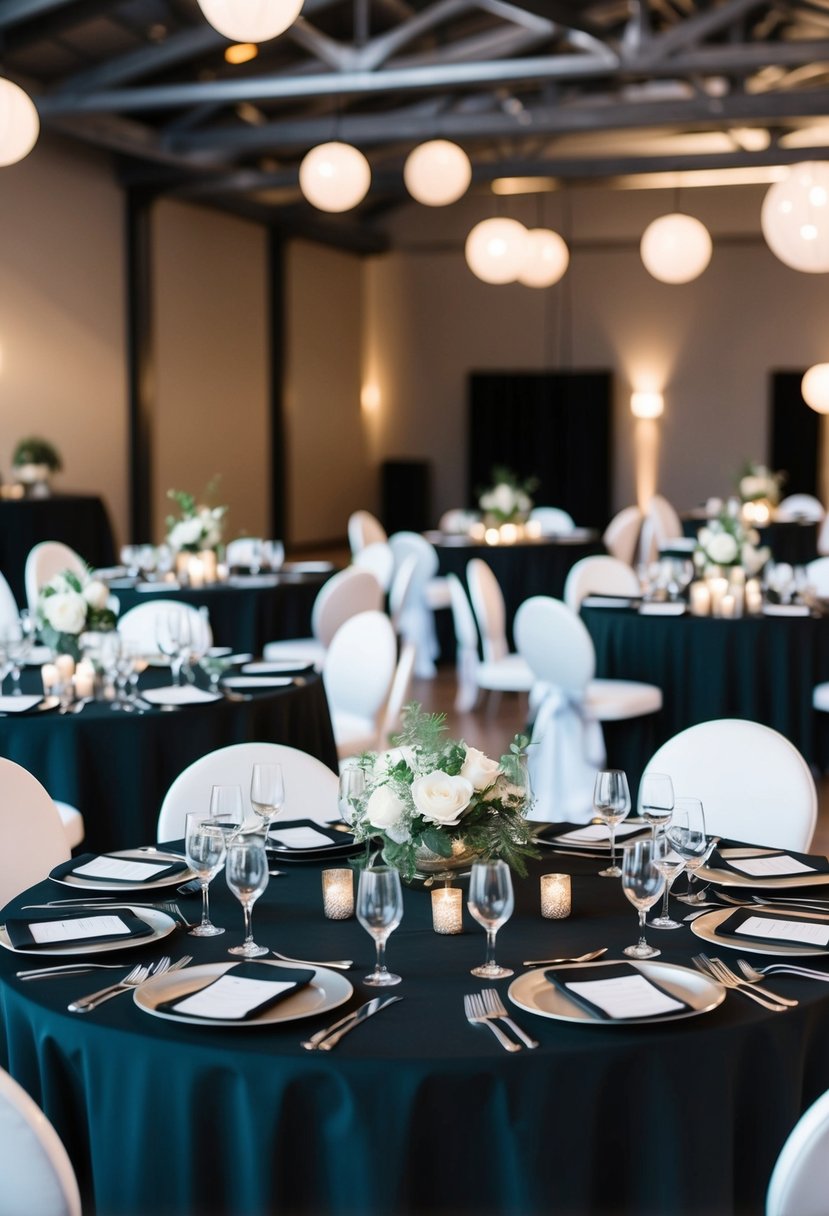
x=69, y=605
x=725, y=541
x=509, y=498
x=440, y=801
x=198, y=527
x=758, y=483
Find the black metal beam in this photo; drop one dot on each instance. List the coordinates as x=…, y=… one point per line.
x=140, y=362
x=12, y=12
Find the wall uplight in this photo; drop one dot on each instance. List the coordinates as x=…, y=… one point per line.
x=370, y=397
x=815, y=388
x=647, y=405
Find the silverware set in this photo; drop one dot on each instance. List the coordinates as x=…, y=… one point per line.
x=717, y=970
x=324, y=1040
x=133, y=979
x=487, y=1009
x=106, y=902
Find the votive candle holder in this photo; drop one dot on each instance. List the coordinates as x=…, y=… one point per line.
x=556, y=899
x=447, y=910
x=338, y=894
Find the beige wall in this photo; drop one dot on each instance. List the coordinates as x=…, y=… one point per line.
x=62, y=357
x=212, y=364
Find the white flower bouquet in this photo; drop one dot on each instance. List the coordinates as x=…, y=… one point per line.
x=443, y=797
x=757, y=482
x=726, y=542
x=509, y=499
x=198, y=527
x=69, y=605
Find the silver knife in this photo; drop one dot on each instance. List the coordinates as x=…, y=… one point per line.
x=324, y=1040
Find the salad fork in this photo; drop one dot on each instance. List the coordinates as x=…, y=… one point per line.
x=495, y=1008
x=476, y=1015
x=131, y=980
x=754, y=974
x=727, y=978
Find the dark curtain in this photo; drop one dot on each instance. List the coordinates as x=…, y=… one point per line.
x=555, y=426
x=795, y=435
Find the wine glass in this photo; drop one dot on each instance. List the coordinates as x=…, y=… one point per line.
x=226, y=806
x=246, y=871
x=205, y=846
x=669, y=863
x=214, y=663
x=611, y=802
x=686, y=834
x=267, y=792
x=642, y=883
x=656, y=800
x=491, y=902
x=172, y=633
x=380, y=911
x=352, y=788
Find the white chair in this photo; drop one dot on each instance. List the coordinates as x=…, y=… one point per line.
x=457, y=521
x=378, y=559
x=139, y=626
x=621, y=536
x=45, y=560
x=800, y=507
x=34, y=840
x=342, y=596
x=37, y=1175
x=358, y=671
x=510, y=673
x=9, y=611
x=364, y=529
x=661, y=525
x=427, y=594
x=398, y=696
x=491, y=618
x=310, y=786
x=553, y=521
x=400, y=591
x=570, y=746
x=599, y=575
x=817, y=572
x=799, y=1184
x=753, y=783
x=73, y=824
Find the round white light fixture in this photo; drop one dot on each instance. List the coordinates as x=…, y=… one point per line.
x=547, y=258
x=334, y=176
x=815, y=388
x=250, y=20
x=795, y=218
x=675, y=248
x=496, y=250
x=437, y=173
x=19, y=123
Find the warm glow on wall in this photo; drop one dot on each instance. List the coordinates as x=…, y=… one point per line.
x=647, y=405
x=646, y=459
x=370, y=398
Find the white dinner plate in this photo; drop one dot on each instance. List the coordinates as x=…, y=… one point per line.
x=100, y=884
x=730, y=878
x=307, y=567
x=666, y=608
x=535, y=994
x=631, y=828
x=326, y=990
x=705, y=925
x=257, y=681
x=160, y=923
x=184, y=695
x=275, y=667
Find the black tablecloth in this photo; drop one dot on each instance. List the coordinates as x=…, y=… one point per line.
x=116, y=767
x=79, y=520
x=791, y=542
x=417, y=1112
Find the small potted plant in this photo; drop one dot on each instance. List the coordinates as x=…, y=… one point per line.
x=34, y=461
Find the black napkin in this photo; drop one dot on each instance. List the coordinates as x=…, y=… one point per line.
x=69, y=867
x=20, y=934
x=561, y=978
x=297, y=978
x=819, y=864
x=331, y=833
x=729, y=927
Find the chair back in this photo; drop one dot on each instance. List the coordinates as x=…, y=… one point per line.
x=553, y=521
x=359, y=666
x=310, y=786
x=800, y=506
x=34, y=841
x=817, y=572
x=800, y=1180
x=378, y=559
x=466, y=631
x=45, y=560
x=621, y=537
x=400, y=591
x=398, y=696
x=139, y=626
x=412, y=544
x=753, y=783
x=345, y=594
x=488, y=606
x=599, y=575
x=9, y=611
x=661, y=525
x=38, y=1178
x=364, y=529
x=555, y=644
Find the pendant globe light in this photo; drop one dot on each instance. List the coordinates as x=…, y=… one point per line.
x=815, y=388
x=547, y=258
x=795, y=218
x=676, y=248
x=334, y=176
x=437, y=173
x=250, y=20
x=19, y=123
x=496, y=249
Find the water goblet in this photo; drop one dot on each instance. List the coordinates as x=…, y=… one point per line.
x=687, y=837
x=380, y=911
x=611, y=802
x=491, y=902
x=642, y=883
x=656, y=800
x=352, y=788
x=214, y=665
x=205, y=847
x=669, y=863
x=246, y=872
x=173, y=637
x=267, y=792
x=227, y=807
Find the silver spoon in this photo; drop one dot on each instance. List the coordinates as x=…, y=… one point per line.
x=548, y=962
x=342, y=964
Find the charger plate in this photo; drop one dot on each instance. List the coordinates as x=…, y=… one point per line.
x=705, y=925
x=160, y=923
x=730, y=878
x=144, y=854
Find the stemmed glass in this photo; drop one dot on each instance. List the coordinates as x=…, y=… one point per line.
x=642, y=883
x=380, y=911
x=267, y=792
x=19, y=641
x=227, y=808
x=173, y=637
x=611, y=802
x=669, y=863
x=246, y=871
x=687, y=837
x=205, y=847
x=656, y=800
x=491, y=902
x=352, y=788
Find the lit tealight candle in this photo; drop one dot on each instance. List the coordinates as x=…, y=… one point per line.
x=66, y=667
x=728, y=607
x=209, y=566
x=718, y=589
x=754, y=596
x=195, y=572
x=699, y=599
x=50, y=677
x=555, y=896
x=509, y=534
x=84, y=679
x=338, y=894
x=447, y=910
x=492, y=536
x=532, y=529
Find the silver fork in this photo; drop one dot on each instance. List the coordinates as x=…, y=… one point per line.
x=131, y=980
x=495, y=1008
x=476, y=1015
x=753, y=974
x=708, y=967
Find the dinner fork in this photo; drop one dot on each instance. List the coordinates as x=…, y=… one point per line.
x=131, y=980
x=476, y=1015
x=753, y=974
x=495, y=1008
x=707, y=967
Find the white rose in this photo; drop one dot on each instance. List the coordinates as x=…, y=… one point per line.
x=186, y=532
x=65, y=611
x=96, y=594
x=704, y=537
x=502, y=498
x=722, y=549
x=479, y=769
x=440, y=798
x=487, y=501
x=523, y=502
x=385, y=811
x=385, y=761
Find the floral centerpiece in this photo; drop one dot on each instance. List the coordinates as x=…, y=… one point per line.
x=34, y=460
x=508, y=500
x=70, y=605
x=758, y=483
x=727, y=542
x=198, y=527
x=440, y=801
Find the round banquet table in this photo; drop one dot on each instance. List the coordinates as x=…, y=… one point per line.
x=416, y=1111
x=116, y=767
x=79, y=520
x=245, y=613
x=792, y=541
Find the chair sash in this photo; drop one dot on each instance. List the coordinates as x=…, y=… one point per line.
x=568, y=749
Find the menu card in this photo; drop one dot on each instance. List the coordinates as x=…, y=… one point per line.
x=65, y=929
x=774, y=863
x=243, y=992
x=306, y=834
x=19, y=705
x=127, y=870
x=616, y=991
x=778, y=929
x=599, y=833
